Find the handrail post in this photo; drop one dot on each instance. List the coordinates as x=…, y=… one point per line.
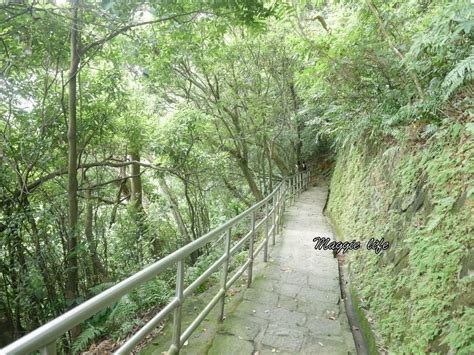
x=250, y=267
x=293, y=189
x=300, y=175
x=265, y=249
x=174, y=349
x=224, y=272
x=297, y=181
x=296, y=187
x=277, y=211
x=298, y=184
x=282, y=206
x=49, y=349
x=274, y=218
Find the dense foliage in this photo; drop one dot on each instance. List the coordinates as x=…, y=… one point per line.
x=129, y=129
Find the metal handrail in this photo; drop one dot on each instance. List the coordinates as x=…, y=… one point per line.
x=44, y=338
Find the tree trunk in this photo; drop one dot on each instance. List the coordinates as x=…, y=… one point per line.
x=137, y=203
x=268, y=155
x=243, y=164
x=137, y=193
x=175, y=210
x=48, y=280
x=98, y=271
x=299, y=124
x=280, y=163
x=393, y=47
x=237, y=193
x=173, y=201
x=72, y=260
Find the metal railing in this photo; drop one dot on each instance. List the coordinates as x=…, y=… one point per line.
x=44, y=338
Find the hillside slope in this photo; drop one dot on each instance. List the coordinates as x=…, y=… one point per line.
x=418, y=195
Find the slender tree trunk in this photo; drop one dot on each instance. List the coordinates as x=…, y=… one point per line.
x=40, y=260
x=392, y=46
x=193, y=215
x=16, y=261
x=137, y=203
x=237, y=194
x=263, y=169
x=243, y=164
x=137, y=193
x=299, y=125
x=280, y=163
x=98, y=271
x=173, y=201
x=175, y=210
x=72, y=260
x=268, y=156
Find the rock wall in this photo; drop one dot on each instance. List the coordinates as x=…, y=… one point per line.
x=418, y=195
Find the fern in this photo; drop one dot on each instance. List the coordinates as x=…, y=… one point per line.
x=123, y=311
x=461, y=74
x=86, y=337
x=152, y=294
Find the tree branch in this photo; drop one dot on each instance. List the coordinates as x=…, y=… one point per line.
x=63, y=171
x=128, y=27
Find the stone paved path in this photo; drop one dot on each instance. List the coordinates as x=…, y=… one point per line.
x=294, y=304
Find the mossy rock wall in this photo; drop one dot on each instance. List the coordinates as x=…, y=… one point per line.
x=419, y=196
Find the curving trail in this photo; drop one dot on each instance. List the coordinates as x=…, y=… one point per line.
x=294, y=304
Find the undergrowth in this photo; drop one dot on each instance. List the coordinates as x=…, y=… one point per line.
x=131, y=311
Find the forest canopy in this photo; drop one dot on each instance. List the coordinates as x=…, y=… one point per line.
x=129, y=129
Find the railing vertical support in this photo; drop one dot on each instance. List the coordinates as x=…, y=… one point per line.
x=277, y=211
x=252, y=237
x=49, y=349
x=225, y=269
x=296, y=186
x=282, y=205
x=265, y=248
x=274, y=206
x=177, y=312
x=299, y=183
x=293, y=189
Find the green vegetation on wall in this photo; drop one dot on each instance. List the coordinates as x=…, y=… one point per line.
x=418, y=195
x=129, y=129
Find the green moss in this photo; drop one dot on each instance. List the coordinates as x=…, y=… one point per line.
x=365, y=326
x=364, y=323
x=412, y=194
